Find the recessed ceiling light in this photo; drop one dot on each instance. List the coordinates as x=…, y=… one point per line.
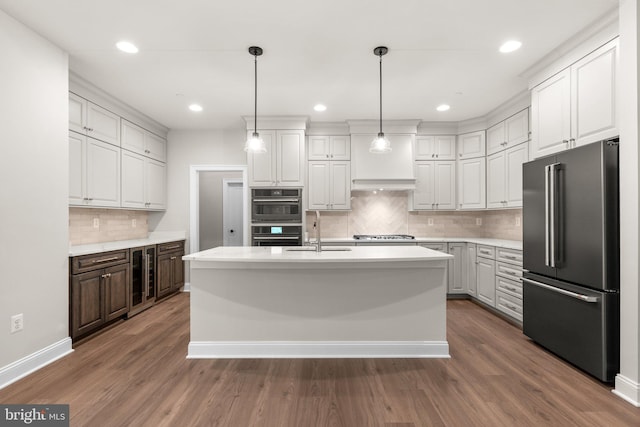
x=126, y=46
x=195, y=107
x=443, y=107
x=320, y=107
x=510, y=46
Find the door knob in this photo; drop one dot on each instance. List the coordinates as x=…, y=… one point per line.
x=231, y=231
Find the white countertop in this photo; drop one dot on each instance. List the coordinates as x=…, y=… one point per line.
x=501, y=243
x=153, y=239
x=355, y=254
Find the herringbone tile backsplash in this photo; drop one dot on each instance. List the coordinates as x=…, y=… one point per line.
x=386, y=212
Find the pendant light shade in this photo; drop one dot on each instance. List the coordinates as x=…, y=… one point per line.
x=255, y=144
x=380, y=144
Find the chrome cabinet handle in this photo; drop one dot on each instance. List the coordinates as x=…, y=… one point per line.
x=173, y=257
x=106, y=275
x=172, y=247
x=98, y=261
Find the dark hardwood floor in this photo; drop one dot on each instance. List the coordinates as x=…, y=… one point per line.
x=136, y=374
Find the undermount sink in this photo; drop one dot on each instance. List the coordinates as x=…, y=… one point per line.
x=311, y=249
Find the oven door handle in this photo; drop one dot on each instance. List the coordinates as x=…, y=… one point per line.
x=276, y=237
x=276, y=200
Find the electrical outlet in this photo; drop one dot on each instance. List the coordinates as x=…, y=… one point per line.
x=517, y=221
x=17, y=323
x=430, y=221
x=134, y=223
x=478, y=221
x=96, y=222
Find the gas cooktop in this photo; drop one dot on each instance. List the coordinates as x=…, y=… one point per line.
x=383, y=237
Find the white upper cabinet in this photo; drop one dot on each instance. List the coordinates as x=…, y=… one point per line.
x=329, y=147
x=143, y=182
x=471, y=145
x=435, y=147
x=94, y=172
x=329, y=185
x=283, y=163
x=435, y=185
x=471, y=183
x=509, y=132
x=92, y=120
x=141, y=141
x=504, y=177
x=578, y=105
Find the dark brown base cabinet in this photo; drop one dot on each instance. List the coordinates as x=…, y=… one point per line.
x=170, y=268
x=99, y=290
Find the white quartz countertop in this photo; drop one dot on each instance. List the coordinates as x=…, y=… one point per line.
x=500, y=243
x=355, y=254
x=153, y=239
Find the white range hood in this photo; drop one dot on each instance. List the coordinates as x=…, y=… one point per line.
x=388, y=171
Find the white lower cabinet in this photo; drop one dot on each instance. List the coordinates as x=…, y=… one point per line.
x=94, y=172
x=486, y=276
x=472, y=279
x=457, y=268
x=143, y=182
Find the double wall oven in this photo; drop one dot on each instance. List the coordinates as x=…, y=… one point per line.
x=276, y=217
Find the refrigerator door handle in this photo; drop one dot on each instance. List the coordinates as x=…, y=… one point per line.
x=547, y=170
x=550, y=214
x=575, y=295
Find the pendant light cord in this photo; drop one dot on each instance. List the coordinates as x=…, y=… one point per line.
x=255, y=92
x=380, y=92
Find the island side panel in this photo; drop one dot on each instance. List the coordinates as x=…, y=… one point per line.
x=320, y=305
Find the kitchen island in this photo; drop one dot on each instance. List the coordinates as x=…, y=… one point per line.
x=266, y=302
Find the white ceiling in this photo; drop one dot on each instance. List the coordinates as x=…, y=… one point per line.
x=440, y=51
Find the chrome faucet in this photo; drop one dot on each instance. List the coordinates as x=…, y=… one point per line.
x=317, y=227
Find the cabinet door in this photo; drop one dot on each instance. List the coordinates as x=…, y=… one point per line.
x=164, y=278
x=496, y=138
x=515, y=158
x=340, y=185
x=319, y=147
x=133, y=180
x=457, y=269
x=445, y=147
x=318, y=188
x=116, y=291
x=87, y=310
x=262, y=166
x=496, y=185
x=445, y=185
x=103, y=124
x=177, y=270
x=424, y=194
x=290, y=157
x=472, y=284
x=77, y=171
x=133, y=137
x=103, y=173
x=486, y=281
x=550, y=115
x=516, y=128
x=156, y=147
x=425, y=148
x=471, y=145
x=340, y=147
x=155, y=182
x=471, y=183
x=77, y=113
x=593, y=94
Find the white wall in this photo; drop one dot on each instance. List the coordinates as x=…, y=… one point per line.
x=34, y=172
x=628, y=381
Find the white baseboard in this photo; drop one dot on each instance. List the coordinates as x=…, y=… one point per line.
x=31, y=363
x=627, y=389
x=186, y=287
x=316, y=349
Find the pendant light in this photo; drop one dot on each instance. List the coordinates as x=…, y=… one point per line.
x=380, y=144
x=255, y=144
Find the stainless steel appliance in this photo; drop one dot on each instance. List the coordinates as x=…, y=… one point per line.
x=571, y=256
x=276, y=235
x=375, y=237
x=276, y=205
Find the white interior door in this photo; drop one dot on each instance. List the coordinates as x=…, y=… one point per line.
x=232, y=194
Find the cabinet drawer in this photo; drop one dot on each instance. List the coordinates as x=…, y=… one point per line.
x=509, y=305
x=442, y=247
x=170, y=247
x=510, y=287
x=486, y=251
x=508, y=271
x=511, y=256
x=81, y=264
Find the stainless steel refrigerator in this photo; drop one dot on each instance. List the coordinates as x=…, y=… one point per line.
x=571, y=256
